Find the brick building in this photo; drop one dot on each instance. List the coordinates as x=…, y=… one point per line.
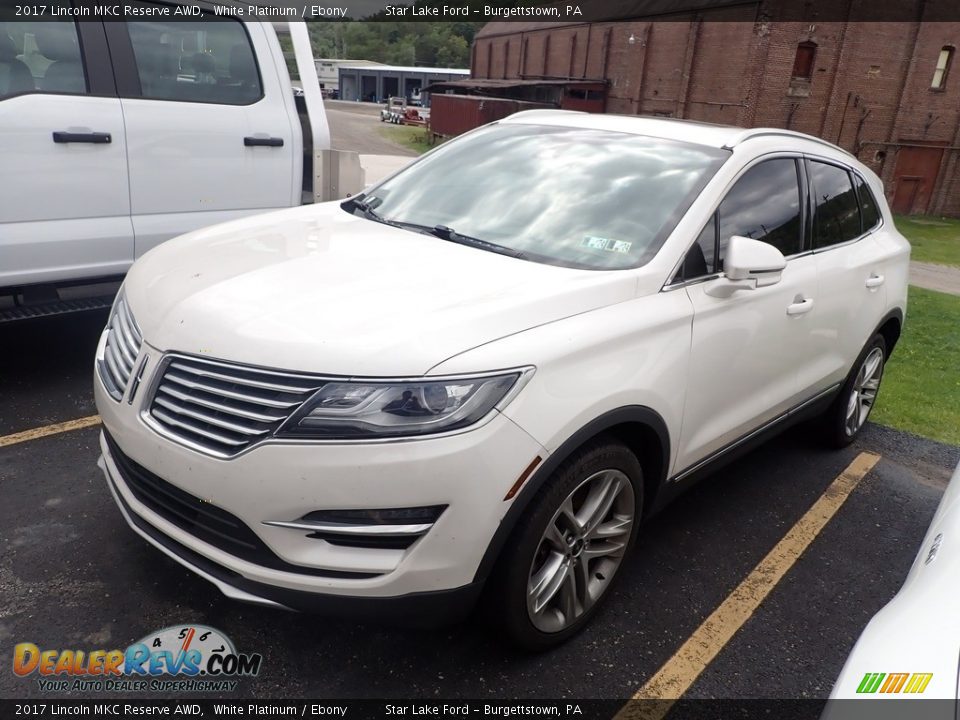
x=883, y=90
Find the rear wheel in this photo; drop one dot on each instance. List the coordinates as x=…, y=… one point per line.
x=568, y=548
x=849, y=412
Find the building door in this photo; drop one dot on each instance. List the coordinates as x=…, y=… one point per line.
x=914, y=178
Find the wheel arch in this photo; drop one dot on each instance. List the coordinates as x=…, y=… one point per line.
x=890, y=328
x=640, y=428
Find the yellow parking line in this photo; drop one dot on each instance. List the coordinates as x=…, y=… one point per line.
x=679, y=672
x=47, y=430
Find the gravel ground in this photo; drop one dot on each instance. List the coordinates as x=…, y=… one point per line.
x=931, y=276
x=356, y=126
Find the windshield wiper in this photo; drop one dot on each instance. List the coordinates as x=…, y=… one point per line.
x=365, y=207
x=448, y=233
x=443, y=232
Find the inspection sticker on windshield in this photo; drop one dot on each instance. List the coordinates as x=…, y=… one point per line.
x=598, y=243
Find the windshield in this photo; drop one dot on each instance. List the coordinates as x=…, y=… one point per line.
x=576, y=197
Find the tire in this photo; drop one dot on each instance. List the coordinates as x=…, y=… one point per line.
x=546, y=546
x=848, y=413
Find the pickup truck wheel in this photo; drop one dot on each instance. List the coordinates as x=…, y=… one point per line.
x=849, y=412
x=568, y=547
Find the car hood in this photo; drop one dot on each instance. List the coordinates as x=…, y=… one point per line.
x=319, y=290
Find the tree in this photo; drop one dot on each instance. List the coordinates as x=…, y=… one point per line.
x=455, y=52
x=440, y=44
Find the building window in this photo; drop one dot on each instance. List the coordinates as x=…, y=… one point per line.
x=803, y=62
x=944, y=60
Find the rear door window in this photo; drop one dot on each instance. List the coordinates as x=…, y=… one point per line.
x=40, y=57
x=836, y=211
x=869, y=212
x=209, y=61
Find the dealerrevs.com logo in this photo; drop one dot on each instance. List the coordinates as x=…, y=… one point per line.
x=181, y=658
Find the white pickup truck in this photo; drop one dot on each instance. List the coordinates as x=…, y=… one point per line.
x=116, y=136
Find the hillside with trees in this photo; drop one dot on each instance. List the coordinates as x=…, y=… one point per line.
x=434, y=44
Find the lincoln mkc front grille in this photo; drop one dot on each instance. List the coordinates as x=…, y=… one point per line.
x=120, y=354
x=221, y=408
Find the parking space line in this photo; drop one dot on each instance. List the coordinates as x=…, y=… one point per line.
x=47, y=430
x=679, y=672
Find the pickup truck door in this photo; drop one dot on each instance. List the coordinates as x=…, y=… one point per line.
x=212, y=131
x=64, y=198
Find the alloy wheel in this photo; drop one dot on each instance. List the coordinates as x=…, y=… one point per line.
x=580, y=550
x=863, y=394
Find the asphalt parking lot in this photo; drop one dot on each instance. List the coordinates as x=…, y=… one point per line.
x=73, y=575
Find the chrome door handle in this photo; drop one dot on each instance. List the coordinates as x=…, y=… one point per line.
x=874, y=281
x=800, y=307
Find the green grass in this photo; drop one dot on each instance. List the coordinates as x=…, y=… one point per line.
x=934, y=240
x=920, y=392
x=408, y=136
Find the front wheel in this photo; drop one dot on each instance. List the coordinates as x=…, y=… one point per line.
x=569, y=547
x=849, y=412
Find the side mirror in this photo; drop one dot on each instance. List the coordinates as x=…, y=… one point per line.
x=752, y=264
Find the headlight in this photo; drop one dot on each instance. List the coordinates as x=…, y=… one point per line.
x=374, y=409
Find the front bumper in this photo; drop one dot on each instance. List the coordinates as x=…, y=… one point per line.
x=470, y=473
x=414, y=609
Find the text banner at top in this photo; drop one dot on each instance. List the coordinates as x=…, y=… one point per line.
x=564, y=11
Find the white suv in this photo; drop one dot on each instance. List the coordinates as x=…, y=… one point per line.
x=482, y=374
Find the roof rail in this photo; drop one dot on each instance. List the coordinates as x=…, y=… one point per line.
x=546, y=112
x=751, y=133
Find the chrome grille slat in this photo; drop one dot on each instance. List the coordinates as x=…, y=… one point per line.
x=121, y=349
x=109, y=374
x=232, y=394
x=198, y=429
x=113, y=368
x=264, y=385
x=222, y=408
x=211, y=419
x=132, y=326
x=118, y=355
x=213, y=405
x=122, y=355
x=128, y=341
